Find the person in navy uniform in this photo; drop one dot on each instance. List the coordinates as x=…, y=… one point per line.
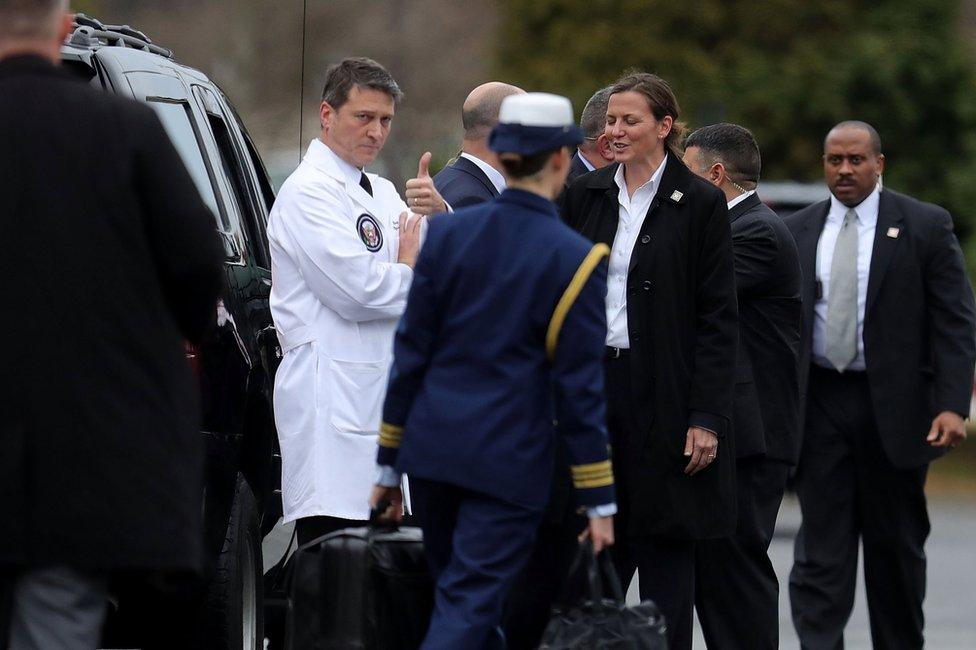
x=503, y=334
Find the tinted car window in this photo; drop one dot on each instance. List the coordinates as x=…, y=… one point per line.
x=176, y=121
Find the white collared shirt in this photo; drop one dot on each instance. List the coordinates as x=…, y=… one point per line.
x=493, y=174
x=739, y=199
x=630, y=219
x=586, y=163
x=867, y=221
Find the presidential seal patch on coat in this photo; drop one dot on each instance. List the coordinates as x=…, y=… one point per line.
x=369, y=231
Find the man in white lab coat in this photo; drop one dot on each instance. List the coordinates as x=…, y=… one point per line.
x=343, y=245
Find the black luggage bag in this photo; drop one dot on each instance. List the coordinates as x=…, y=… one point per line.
x=600, y=623
x=360, y=589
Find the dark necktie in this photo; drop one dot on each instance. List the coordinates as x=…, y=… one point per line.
x=365, y=184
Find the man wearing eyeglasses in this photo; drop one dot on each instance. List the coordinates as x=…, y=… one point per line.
x=595, y=151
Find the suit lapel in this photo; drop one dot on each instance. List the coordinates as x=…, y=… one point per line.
x=889, y=221
x=462, y=164
x=361, y=198
x=670, y=194
x=600, y=226
x=743, y=206
x=609, y=217
x=807, y=240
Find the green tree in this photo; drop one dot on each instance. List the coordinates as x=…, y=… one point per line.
x=787, y=69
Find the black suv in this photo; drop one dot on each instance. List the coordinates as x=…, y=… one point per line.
x=236, y=363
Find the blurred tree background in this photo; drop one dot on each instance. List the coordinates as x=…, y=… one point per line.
x=786, y=69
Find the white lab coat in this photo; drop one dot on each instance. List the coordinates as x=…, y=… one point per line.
x=335, y=305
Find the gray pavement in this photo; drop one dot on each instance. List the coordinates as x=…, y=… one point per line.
x=950, y=605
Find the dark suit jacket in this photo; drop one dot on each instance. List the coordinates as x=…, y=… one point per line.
x=110, y=261
x=681, y=310
x=576, y=168
x=462, y=183
x=919, y=322
x=767, y=277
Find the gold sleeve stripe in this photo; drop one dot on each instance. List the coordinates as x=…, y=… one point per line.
x=593, y=475
x=583, y=484
x=390, y=435
x=601, y=467
x=597, y=253
x=391, y=429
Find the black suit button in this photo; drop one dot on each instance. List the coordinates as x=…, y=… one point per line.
x=647, y=285
x=645, y=239
x=635, y=336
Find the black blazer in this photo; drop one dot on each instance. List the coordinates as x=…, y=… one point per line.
x=681, y=310
x=576, y=168
x=919, y=322
x=462, y=183
x=767, y=278
x=110, y=260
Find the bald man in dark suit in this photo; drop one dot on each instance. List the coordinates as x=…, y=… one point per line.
x=475, y=175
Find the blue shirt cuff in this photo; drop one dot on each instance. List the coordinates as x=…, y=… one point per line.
x=606, y=510
x=386, y=476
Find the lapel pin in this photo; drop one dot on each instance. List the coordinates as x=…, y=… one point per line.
x=676, y=196
x=893, y=232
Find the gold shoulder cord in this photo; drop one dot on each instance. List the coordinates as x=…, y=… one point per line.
x=596, y=254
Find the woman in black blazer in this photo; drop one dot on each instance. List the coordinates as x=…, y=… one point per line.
x=671, y=344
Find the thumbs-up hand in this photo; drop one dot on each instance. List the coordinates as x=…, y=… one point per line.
x=422, y=196
x=423, y=169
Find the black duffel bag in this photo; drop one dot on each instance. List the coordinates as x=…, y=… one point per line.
x=360, y=589
x=600, y=623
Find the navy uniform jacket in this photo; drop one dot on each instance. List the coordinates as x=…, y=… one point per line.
x=504, y=332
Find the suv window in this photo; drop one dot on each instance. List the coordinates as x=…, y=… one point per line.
x=234, y=171
x=175, y=116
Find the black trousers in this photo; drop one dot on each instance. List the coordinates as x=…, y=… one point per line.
x=310, y=528
x=736, y=590
x=665, y=567
x=850, y=491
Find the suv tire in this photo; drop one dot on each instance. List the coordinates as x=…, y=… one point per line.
x=235, y=617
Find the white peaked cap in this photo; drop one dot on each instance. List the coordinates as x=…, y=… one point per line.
x=537, y=109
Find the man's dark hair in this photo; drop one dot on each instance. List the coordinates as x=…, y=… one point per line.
x=594, y=117
x=733, y=146
x=29, y=18
x=357, y=71
x=864, y=126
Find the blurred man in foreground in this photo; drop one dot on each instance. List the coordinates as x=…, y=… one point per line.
x=110, y=261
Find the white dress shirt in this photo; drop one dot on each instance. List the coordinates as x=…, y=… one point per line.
x=867, y=221
x=739, y=199
x=631, y=218
x=493, y=174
